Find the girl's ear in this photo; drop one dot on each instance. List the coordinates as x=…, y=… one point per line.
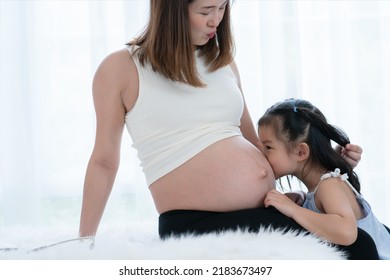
x=302, y=151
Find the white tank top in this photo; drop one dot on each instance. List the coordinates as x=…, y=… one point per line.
x=171, y=122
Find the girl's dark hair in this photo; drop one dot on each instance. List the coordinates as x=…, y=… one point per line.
x=297, y=120
x=166, y=42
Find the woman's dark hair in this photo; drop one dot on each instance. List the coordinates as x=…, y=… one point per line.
x=297, y=120
x=166, y=42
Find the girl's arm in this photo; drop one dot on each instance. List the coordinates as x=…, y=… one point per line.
x=338, y=225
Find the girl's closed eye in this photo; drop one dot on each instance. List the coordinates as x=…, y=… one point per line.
x=267, y=148
x=267, y=145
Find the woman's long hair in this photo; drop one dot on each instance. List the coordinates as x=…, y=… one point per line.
x=297, y=120
x=166, y=42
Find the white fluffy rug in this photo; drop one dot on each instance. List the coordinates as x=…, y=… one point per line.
x=141, y=242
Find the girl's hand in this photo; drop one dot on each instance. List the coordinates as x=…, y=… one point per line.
x=352, y=154
x=281, y=202
x=297, y=196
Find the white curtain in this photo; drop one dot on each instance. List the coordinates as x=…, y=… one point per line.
x=334, y=53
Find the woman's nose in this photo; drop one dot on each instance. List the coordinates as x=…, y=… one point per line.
x=215, y=20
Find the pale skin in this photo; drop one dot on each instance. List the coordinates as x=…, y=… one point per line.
x=333, y=197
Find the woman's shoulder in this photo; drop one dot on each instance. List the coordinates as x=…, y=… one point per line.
x=118, y=61
x=117, y=67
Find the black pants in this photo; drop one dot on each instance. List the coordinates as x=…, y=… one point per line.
x=388, y=229
x=178, y=222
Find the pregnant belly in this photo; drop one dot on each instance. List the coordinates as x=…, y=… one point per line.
x=229, y=175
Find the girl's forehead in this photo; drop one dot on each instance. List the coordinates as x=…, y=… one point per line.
x=266, y=131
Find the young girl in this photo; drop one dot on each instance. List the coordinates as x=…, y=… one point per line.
x=296, y=139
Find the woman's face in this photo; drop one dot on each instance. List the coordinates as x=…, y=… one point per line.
x=205, y=16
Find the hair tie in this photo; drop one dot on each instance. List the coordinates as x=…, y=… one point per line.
x=295, y=109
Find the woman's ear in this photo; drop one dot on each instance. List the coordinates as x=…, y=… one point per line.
x=302, y=151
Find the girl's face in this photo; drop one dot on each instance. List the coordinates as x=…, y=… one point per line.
x=205, y=16
x=282, y=162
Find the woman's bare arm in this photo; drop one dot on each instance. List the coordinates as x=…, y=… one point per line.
x=109, y=84
x=247, y=128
